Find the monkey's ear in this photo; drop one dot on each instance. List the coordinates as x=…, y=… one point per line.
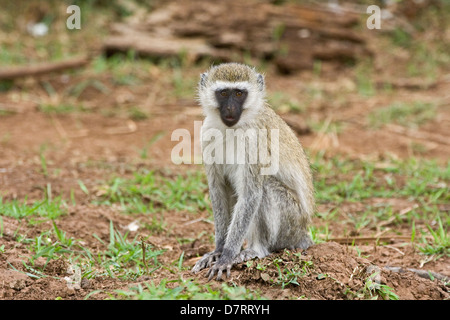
x=203, y=77
x=260, y=81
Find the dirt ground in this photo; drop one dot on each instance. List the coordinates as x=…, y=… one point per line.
x=92, y=147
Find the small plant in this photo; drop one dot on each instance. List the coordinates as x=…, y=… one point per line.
x=289, y=273
x=49, y=209
x=44, y=246
x=372, y=289
x=441, y=241
x=135, y=113
x=122, y=254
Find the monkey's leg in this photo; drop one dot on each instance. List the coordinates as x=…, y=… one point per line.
x=222, y=201
x=281, y=223
x=244, y=211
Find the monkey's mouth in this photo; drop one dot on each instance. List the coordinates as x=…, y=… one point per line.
x=230, y=120
x=230, y=115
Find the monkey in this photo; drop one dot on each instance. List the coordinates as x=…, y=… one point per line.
x=269, y=212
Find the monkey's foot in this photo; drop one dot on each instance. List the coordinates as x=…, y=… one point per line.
x=206, y=261
x=218, y=268
x=245, y=255
x=224, y=264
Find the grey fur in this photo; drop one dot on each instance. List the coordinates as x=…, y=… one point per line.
x=270, y=212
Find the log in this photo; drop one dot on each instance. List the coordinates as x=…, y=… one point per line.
x=291, y=35
x=144, y=45
x=11, y=73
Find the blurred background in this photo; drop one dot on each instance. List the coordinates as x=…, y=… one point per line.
x=127, y=77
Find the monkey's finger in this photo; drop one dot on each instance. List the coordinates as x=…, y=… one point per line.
x=229, y=271
x=196, y=268
x=219, y=274
x=210, y=274
x=200, y=265
x=210, y=261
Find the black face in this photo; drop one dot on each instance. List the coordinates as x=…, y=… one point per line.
x=231, y=103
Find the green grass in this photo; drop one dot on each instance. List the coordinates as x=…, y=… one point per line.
x=441, y=240
x=423, y=184
x=338, y=180
x=125, y=69
x=326, y=126
x=186, y=290
x=148, y=192
x=60, y=108
x=372, y=290
x=289, y=274
x=44, y=246
x=47, y=209
x=406, y=114
x=364, y=82
x=183, y=86
x=123, y=258
x=135, y=113
x=284, y=103
x=425, y=58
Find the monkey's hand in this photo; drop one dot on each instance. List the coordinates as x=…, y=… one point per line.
x=206, y=261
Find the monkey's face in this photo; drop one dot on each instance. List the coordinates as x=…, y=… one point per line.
x=231, y=95
x=231, y=102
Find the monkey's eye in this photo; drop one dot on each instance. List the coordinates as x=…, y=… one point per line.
x=238, y=93
x=223, y=93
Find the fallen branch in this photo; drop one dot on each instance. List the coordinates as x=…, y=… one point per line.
x=421, y=273
x=409, y=84
x=11, y=73
x=351, y=240
x=152, y=46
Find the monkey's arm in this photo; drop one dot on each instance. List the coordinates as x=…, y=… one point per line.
x=219, y=197
x=244, y=211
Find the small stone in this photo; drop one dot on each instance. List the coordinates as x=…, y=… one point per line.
x=17, y=284
x=265, y=277
x=85, y=283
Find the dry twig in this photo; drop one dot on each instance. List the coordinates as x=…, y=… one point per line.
x=421, y=273
x=11, y=73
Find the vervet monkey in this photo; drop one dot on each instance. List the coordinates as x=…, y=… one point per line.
x=268, y=211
